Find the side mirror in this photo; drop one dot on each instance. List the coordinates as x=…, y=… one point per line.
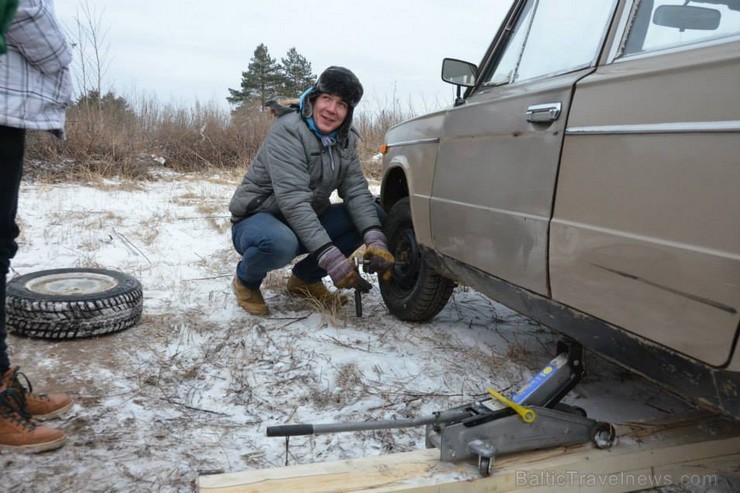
x=460, y=73
x=685, y=17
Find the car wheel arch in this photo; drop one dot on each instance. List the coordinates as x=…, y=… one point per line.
x=394, y=187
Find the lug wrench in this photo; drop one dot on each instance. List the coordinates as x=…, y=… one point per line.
x=357, y=262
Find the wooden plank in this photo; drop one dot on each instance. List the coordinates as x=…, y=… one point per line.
x=646, y=455
x=344, y=475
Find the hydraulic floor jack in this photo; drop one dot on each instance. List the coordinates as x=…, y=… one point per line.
x=533, y=418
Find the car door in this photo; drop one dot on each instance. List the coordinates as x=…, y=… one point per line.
x=646, y=232
x=498, y=155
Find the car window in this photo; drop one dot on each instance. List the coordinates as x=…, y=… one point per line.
x=552, y=37
x=662, y=24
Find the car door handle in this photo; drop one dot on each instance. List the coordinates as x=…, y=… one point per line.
x=546, y=112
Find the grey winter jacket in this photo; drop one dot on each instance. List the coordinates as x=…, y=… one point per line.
x=294, y=175
x=35, y=83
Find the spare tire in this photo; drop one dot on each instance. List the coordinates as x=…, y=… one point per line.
x=72, y=303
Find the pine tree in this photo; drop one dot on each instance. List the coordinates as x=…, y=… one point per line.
x=296, y=74
x=115, y=108
x=260, y=82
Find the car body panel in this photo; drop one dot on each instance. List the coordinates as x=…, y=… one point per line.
x=618, y=224
x=495, y=179
x=413, y=149
x=646, y=232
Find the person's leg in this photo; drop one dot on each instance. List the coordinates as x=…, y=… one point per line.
x=343, y=233
x=12, y=143
x=18, y=432
x=265, y=243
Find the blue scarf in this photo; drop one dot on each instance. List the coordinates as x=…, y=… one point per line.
x=328, y=141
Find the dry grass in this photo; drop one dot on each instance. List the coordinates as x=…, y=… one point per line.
x=148, y=231
x=372, y=127
x=213, y=209
x=126, y=139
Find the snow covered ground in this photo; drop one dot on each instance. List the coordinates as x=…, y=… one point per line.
x=191, y=389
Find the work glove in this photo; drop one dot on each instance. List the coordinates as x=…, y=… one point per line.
x=377, y=256
x=341, y=271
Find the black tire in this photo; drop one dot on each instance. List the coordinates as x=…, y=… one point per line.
x=485, y=466
x=415, y=292
x=72, y=303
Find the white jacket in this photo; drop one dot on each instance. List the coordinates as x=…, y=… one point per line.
x=35, y=82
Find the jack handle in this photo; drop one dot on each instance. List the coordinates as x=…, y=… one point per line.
x=448, y=416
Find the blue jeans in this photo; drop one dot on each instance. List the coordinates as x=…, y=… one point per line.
x=12, y=144
x=266, y=243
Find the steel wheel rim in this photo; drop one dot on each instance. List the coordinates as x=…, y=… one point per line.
x=69, y=284
x=408, y=257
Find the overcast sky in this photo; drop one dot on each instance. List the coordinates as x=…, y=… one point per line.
x=183, y=50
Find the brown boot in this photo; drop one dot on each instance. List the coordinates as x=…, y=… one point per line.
x=315, y=291
x=250, y=300
x=18, y=433
x=39, y=406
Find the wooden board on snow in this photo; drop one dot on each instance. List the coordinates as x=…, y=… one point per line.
x=646, y=455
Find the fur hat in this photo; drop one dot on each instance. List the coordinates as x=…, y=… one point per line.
x=341, y=82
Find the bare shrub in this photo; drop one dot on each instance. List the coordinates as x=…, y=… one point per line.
x=108, y=135
x=203, y=136
x=373, y=125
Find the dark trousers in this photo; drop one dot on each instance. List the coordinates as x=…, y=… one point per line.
x=12, y=144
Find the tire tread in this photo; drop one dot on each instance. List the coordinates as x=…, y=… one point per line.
x=33, y=315
x=432, y=290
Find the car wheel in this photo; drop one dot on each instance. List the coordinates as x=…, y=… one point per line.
x=415, y=292
x=72, y=303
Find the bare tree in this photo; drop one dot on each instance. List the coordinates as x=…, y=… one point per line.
x=92, y=48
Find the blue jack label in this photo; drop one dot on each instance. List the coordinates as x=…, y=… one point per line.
x=539, y=379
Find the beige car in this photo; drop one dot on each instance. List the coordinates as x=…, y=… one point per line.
x=588, y=176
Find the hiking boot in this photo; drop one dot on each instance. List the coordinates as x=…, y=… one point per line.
x=18, y=432
x=315, y=291
x=39, y=406
x=250, y=300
